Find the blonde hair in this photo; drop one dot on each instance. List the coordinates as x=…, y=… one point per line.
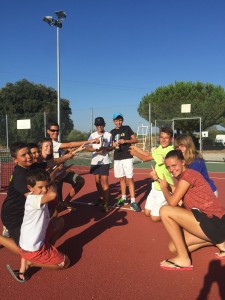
x=191, y=152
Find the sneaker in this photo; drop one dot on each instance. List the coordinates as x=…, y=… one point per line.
x=135, y=207
x=105, y=208
x=5, y=232
x=121, y=202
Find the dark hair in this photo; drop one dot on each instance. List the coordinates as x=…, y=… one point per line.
x=15, y=147
x=167, y=130
x=175, y=153
x=52, y=124
x=37, y=175
x=32, y=145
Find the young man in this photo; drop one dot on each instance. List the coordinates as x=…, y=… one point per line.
x=35, y=246
x=156, y=198
x=100, y=162
x=75, y=180
x=123, y=137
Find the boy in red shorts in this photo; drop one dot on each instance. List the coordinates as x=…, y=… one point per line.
x=35, y=236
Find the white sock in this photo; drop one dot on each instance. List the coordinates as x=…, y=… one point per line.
x=132, y=200
x=124, y=197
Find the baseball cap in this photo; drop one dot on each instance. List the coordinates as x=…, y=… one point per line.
x=99, y=121
x=116, y=115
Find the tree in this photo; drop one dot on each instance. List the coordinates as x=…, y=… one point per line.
x=26, y=100
x=207, y=101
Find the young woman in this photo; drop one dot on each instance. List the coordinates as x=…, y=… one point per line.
x=201, y=220
x=193, y=158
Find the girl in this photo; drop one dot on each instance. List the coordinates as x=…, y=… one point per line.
x=201, y=220
x=193, y=158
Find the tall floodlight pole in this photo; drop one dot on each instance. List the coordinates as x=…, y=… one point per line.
x=61, y=15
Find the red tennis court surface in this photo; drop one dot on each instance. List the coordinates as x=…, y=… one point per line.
x=117, y=256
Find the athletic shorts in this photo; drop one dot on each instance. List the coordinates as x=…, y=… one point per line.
x=46, y=255
x=123, y=168
x=15, y=233
x=213, y=228
x=100, y=170
x=154, y=201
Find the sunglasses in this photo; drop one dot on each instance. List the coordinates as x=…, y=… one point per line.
x=54, y=130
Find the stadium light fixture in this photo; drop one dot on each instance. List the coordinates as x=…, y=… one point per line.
x=61, y=16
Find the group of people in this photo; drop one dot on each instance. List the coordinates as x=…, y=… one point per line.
x=182, y=195
x=30, y=211
x=184, y=198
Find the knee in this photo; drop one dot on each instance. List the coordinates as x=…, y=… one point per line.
x=147, y=212
x=164, y=210
x=155, y=218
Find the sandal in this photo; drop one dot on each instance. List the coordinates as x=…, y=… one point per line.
x=16, y=274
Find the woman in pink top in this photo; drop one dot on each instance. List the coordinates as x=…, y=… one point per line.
x=198, y=223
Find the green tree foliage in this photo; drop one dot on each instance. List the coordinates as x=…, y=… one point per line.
x=207, y=101
x=76, y=135
x=26, y=100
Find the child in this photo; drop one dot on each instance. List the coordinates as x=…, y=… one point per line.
x=100, y=162
x=123, y=137
x=35, y=152
x=60, y=173
x=13, y=206
x=197, y=223
x=75, y=180
x=156, y=198
x=193, y=158
x=35, y=235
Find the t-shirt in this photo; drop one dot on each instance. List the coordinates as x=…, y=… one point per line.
x=103, y=158
x=200, y=195
x=57, y=152
x=199, y=165
x=12, y=211
x=35, y=223
x=159, y=154
x=125, y=133
x=13, y=206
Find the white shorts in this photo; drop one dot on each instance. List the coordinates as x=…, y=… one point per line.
x=154, y=201
x=123, y=168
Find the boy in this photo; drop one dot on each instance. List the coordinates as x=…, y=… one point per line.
x=123, y=137
x=75, y=180
x=100, y=162
x=35, y=152
x=156, y=198
x=35, y=248
x=13, y=206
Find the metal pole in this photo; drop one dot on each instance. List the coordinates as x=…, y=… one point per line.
x=7, y=131
x=150, y=123
x=92, y=120
x=58, y=83
x=200, y=138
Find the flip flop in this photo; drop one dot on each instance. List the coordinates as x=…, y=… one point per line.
x=176, y=267
x=15, y=274
x=217, y=254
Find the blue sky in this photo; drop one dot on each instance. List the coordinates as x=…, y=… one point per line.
x=113, y=52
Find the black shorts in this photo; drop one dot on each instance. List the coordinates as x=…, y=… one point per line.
x=100, y=169
x=15, y=233
x=213, y=228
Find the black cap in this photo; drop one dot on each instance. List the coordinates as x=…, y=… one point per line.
x=99, y=121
